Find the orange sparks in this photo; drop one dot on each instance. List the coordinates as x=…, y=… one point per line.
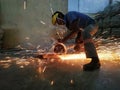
x=52, y=82
x=21, y=66
x=44, y=69
x=81, y=56
x=41, y=70
x=72, y=56
x=71, y=81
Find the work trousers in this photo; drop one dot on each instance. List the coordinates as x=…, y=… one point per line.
x=87, y=35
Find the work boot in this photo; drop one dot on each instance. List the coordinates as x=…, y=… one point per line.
x=93, y=65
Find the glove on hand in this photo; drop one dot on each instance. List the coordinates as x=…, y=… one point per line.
x=77, y=48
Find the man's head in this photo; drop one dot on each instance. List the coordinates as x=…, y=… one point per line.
x=58, y=18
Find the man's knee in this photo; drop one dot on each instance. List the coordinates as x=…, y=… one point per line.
x=89, y=31
x=94, y=30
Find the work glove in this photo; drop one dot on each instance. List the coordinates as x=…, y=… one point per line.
x=77, y=48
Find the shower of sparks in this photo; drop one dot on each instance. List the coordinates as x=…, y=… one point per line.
x=38, y=47
x=44, y=69
x=25, y=4
x=30, y=44
x=27, y=38
x=19, y=47
x=50, y=5
x=107, y=50
x=52, y=82
x=40, y=70
x=102, y=55
x=51, y=10
x=42, y=22
x=71, y=81
x=72, y=56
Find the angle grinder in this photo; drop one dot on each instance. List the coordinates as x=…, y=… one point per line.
x=60, y=48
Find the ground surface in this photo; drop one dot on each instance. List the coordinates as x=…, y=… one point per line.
x=34, y=74
x=19, y=70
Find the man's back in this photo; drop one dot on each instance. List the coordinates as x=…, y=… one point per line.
x=84, y=20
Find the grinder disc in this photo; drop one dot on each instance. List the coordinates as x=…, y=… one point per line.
x=60, y=48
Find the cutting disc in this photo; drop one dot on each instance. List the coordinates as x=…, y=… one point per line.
x=60, y=48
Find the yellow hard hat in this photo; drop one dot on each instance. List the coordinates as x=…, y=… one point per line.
x=54, y=18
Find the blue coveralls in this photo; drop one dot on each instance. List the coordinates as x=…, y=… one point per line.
x=89, y=28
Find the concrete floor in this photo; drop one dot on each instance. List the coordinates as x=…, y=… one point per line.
x=19, y=70
x=28, y=73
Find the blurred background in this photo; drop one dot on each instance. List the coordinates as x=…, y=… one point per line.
x=27, y=23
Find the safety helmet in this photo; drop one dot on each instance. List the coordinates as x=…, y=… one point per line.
x=54, y=18
x=56, y=15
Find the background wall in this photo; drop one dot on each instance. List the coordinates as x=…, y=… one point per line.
x=28, y=22
x=86, y=6
x=109, y=21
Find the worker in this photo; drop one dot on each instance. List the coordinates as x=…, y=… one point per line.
x=83, y=27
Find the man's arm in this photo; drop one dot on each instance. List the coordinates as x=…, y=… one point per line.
x=70, y=35
x=74, y=28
